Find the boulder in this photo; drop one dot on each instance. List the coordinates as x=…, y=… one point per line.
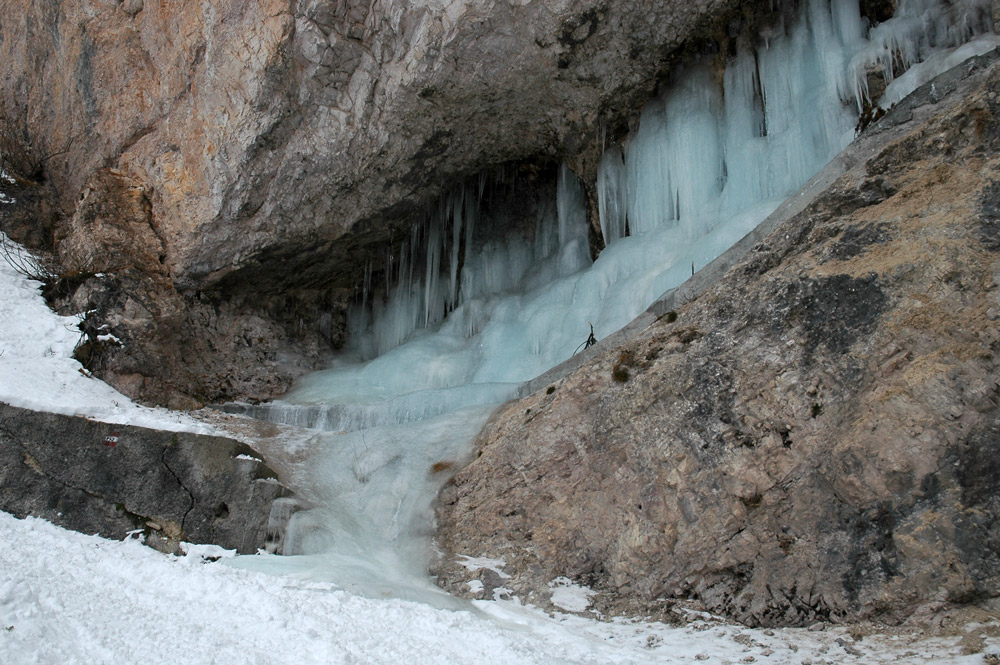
x=113, y=480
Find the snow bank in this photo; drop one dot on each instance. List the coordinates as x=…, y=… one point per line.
x=68, y=598
x=37, y=369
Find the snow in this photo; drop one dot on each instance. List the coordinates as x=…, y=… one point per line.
x=194, y=552
x=68, y=598
x=569, y=596
x=37, y=369
x=72, y=598
x=6, y=177
x=481, y=563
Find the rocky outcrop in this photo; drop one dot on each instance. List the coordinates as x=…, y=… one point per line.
x=815, y=437
x=274, y=128
x=115, y=479
x=231, y=160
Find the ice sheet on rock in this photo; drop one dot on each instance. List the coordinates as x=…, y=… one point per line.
x=370, y=528
x=408, y=407
x=936, y=63
x=468, y=312
x=917, y=30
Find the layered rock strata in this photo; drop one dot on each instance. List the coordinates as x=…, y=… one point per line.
x=815, y=437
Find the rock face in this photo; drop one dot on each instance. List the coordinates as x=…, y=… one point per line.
x=253, y=156
x=113, y=479
x=816, y=437
x=278, y=123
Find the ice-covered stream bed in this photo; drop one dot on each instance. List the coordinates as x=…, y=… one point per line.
x=465, y=317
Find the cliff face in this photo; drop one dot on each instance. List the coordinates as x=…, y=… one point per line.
x=277, y=126
x=261, y=152
x=816, y=437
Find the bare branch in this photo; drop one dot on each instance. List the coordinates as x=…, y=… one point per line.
x=24, y=262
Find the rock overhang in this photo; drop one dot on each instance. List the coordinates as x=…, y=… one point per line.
x=283, y=147
x=293, y=124
x=326, y=189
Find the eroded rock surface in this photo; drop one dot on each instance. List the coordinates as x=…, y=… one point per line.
x=115, y=479
x=254, y=156
x=816, y=437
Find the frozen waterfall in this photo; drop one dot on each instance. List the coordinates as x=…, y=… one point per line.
x=466, y=313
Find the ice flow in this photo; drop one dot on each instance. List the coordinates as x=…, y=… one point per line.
x=464, y=316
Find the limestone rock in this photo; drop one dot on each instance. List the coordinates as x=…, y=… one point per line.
x=814, y=438
x=258, y=126
x=112, y=229
x=131, y=7
x=112, y=479
x=260, y=153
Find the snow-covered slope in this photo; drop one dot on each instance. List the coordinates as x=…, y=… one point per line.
x=67, y=598
x=37, y=369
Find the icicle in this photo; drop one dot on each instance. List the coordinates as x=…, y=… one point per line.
x=367, y=283
x=847, y=20
x=674, y=164
x=571, y=209
x=545, y=230
x=457, y=213
x=646, y=177
x=432, y=267
x=471, y=219
x=611, y=195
